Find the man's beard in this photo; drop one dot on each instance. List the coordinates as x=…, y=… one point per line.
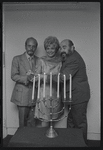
x=30, y=52
x=63, y=55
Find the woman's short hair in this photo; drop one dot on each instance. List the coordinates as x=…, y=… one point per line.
x=31, y=38
x=51, y=40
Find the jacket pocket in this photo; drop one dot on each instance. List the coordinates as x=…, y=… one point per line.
x=18, y=93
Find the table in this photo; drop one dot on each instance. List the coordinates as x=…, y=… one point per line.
x=35, y=137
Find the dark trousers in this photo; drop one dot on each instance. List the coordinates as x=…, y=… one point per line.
x=77, y=118
x=26, y=116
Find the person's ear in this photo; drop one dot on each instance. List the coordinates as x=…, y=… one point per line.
x=72, y=48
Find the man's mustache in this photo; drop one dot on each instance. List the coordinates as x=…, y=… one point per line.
x=30, y=51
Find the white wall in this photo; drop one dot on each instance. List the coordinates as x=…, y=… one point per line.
x=81, y=26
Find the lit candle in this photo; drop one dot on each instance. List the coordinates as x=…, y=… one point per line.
x=38, y=86
x=33, y=88
x=44, y=86
x=50, y=84
x=64, y=87
x=58, y=85
x=70, y=88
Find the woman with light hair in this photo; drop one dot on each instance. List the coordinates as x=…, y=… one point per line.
x=49, y=63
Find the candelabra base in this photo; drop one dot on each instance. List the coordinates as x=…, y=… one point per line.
x=51, y=133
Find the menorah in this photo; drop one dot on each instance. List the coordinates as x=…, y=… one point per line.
x=51, y=133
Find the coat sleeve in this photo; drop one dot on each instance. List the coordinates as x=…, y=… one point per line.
x=15, y=73
x=70, y=68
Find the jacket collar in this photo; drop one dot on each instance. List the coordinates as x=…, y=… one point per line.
x=29, y=56
x=25, y=62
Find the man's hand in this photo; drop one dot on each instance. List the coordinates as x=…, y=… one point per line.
x=30, y=77
x=29, y=72
x=41, y=77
